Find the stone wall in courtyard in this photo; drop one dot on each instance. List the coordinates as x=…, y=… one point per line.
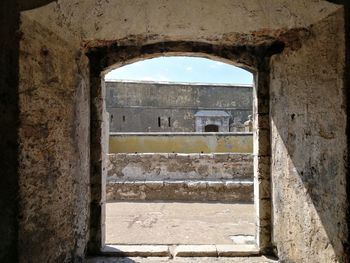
x=186, y=177
x=181, y=142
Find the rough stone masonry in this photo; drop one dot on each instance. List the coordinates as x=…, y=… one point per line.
x=180, y=177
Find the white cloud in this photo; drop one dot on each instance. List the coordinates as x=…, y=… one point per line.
x=218, y=63
x=188, y=68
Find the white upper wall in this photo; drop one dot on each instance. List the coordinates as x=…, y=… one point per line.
x=206, y=20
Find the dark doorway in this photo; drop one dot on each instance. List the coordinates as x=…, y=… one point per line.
x=211, y=128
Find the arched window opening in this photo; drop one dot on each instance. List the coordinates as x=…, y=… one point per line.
x=193, y=121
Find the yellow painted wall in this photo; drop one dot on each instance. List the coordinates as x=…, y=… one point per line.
x=242, y=143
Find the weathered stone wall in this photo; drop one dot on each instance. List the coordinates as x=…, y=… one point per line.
x=136, y=106
x=309, y=152
x=99, y=22
x=180, y=177
x=180, y=167
x=181, y=190
x=54, y=147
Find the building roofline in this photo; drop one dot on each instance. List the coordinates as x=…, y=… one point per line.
x=179, y=83
x=211, y=113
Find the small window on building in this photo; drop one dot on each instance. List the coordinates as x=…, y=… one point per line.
x=159, y=122
x=123, y=118
x=169, y=121
x=211, y=128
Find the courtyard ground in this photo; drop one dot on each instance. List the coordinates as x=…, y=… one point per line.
x=179, y=223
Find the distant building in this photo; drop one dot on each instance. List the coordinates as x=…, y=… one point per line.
x=176, y=107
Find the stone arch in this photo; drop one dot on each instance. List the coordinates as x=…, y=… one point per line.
x=252, y=58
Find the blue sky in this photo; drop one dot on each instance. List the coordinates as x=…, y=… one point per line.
x=182, y=69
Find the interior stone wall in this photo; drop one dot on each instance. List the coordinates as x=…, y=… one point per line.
x=96, y=21
x=54, y=147
x=309, y=152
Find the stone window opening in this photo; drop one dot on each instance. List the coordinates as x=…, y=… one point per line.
x=262, y=237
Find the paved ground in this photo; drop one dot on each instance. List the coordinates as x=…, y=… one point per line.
x=179, y=223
